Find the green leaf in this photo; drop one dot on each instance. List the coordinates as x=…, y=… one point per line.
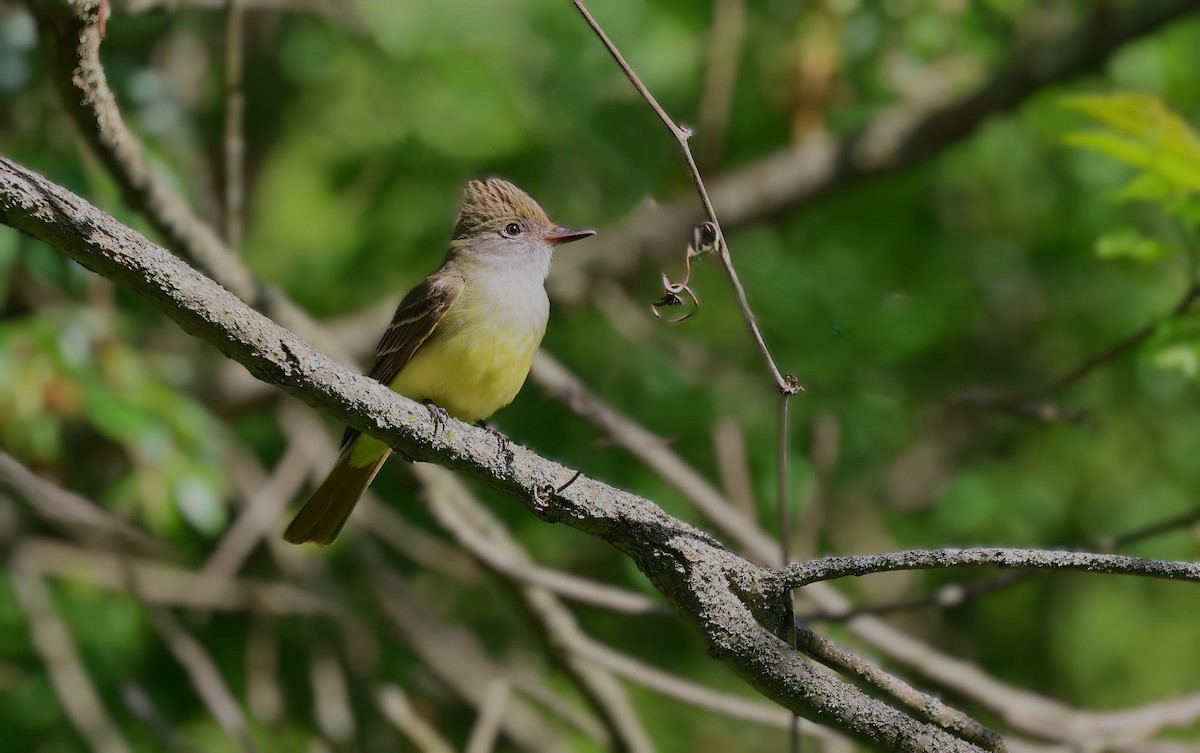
x=1127, y=244
x=1183, y=358
x=1145, y=134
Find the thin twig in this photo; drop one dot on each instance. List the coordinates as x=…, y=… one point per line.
x=956, y=594
x=1036, y=403
x=394, y=705
x=330, y=695
x=81, y=517
x=264, y=693
x=785, y=536
x=235, y=114
x=921, y=704
x=487, y=724
x=829, y=568
x=693, y=694
x=205, y=677
x=139, y=703
x=157, y=583
x=788, y=384
x=720, y=80
x=263, y=504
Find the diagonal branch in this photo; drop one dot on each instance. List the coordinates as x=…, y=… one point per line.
x=71, y=32
x=712, y=589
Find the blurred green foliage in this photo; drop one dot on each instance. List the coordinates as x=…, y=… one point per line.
x=1048, y=235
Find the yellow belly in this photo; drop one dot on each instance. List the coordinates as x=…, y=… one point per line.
x=472, y=370
x=470, y=374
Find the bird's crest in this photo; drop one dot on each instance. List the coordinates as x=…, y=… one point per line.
x=487, y=205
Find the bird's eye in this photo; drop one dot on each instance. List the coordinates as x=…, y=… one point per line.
x=512, y=229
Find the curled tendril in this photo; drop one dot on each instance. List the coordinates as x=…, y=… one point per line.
x=791, y=385
x=543, y=493
x=705, y=239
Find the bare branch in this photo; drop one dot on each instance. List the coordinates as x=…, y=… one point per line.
x=331, y=707
x=205, y=676
x=1037, y=404
x=954, y=594
x=161, y=584
x=320, y=7
x=487, y=725
x=53, y=642
x=72, y=31
x=720, y=80
x=81, y=517
x=142, y=707
x=235, y=112
x=394, y=706
x=828, y=568
x=922, y=704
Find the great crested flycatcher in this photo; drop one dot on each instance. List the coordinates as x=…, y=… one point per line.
x=462, y=340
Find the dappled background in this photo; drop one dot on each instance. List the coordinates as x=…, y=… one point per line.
x=926, y=292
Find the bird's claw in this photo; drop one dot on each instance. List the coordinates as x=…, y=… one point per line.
x=502, y=440
x=437, y=413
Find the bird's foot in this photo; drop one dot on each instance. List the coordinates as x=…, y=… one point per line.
x=502, y=439
x=437, y=413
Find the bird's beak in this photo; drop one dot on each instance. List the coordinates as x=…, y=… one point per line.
x=559, y=235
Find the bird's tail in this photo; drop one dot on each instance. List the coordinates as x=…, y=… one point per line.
x=326, y=511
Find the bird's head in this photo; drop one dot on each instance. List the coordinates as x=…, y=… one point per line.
x=500, y=223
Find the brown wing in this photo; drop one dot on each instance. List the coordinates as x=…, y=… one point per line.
x=415, y=319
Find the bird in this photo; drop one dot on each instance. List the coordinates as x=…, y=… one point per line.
x=462, y=341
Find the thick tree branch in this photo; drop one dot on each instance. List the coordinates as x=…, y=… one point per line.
x=715, y=591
